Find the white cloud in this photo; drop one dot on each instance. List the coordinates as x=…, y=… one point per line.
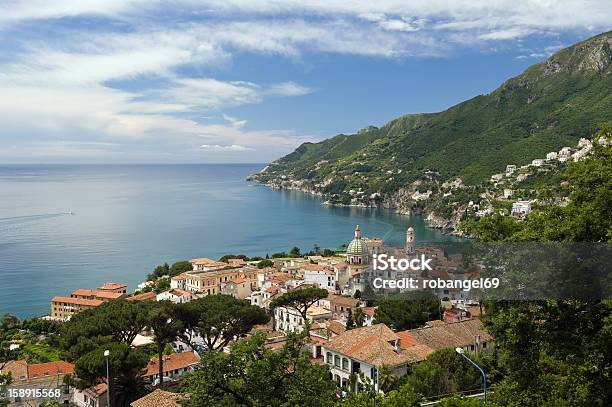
x=147, y=72
x=232, y=147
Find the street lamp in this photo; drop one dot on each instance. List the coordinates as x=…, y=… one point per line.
x=108, y=386
x=461, y=351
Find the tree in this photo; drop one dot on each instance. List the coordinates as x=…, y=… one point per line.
x=295, y=252
x=225, y=258
x=253, y=375
x=265, y=263
x=316, y=249
x=443, y=372
x=125, y=365
x=180, y=267
x=357, y=294
x=386, y=379
x=300, y=300
x=159, y=271
x=407, y=310
x=162, y=318
x=117, y=321
x=219, y=319
x=359, y=317
x=350, y=323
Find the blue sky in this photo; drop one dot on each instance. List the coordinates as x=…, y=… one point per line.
x=138, y=81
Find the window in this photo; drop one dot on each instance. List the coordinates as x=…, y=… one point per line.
x=328, y=357
x=484, y=345
x=345, y=364
x=337, y=361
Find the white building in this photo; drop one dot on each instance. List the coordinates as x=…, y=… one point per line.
x=538, y=162
x=551, y=156
x=289, y=320
x=175, y=295
x=321, y=276
x=362, y=351
x=510, y=169
x=508, y=193
x=91, y=397
x=497, y=177
x=521, y=208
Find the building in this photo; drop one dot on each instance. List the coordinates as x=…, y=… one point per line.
x=39, y=376
x=508, y=193
x=102, y=295
x=91, y=397
x=210, y=282
x=510, y=169
x=148, y=296
x=175, y=295
x=357, y=251
x=239, y=287
x=290, y=320
x=114, y=287
x=538, y=162
x=320, y=276
x=551, y=156
x=410, y=241
x=361, y=352
x=178, y=281
x=62, y=308
x=467, y=334
x=205, y=264
x=521, y=208
x=159, y=398
x=495, y=178
x=174, y=366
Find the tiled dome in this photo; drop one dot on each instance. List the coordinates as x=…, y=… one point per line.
x=357, y=246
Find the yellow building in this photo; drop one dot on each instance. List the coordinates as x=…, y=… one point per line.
x=62, y=308
x=210, y=282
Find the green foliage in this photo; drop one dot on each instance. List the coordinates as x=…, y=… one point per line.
x=300, y=300
x=350, y=323
x=116, y=321
x=443, y=372
x=220, y=318
x=585, y=219
x=359, y=317
x=265, y=263
x=180, y=267
x=253, y=375
x=526, y=117
x=125, y=366
x=162, y=285
x=233, y=256
x=407, y=310
x=159, y=271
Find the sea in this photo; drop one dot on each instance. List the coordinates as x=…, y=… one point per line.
x=64, y=227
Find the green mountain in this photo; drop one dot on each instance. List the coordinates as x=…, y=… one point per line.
x=550, y=105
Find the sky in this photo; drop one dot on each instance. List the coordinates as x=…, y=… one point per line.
x=148, y=81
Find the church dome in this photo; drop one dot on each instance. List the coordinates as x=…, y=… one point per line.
x=357, y=246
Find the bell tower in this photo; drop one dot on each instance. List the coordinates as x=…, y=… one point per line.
x=410, y=241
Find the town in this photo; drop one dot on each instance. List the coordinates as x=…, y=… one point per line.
x=344, y=329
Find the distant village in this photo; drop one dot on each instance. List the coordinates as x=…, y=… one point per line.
x=343, y=329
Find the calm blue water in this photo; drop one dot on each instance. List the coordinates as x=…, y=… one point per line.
x=127, y=219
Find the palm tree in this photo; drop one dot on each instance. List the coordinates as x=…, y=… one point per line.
x=386, y=379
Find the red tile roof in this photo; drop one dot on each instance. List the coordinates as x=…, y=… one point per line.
x=149, y=296
x=39, y=370
x=77, y=301
x=173, y=362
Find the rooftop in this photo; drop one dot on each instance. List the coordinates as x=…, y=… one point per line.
x=158, y=398
x=77, y=301
x=112, y=286
x=97, y=293
x=173, y=362
x=39, y=370
x=148, y=296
